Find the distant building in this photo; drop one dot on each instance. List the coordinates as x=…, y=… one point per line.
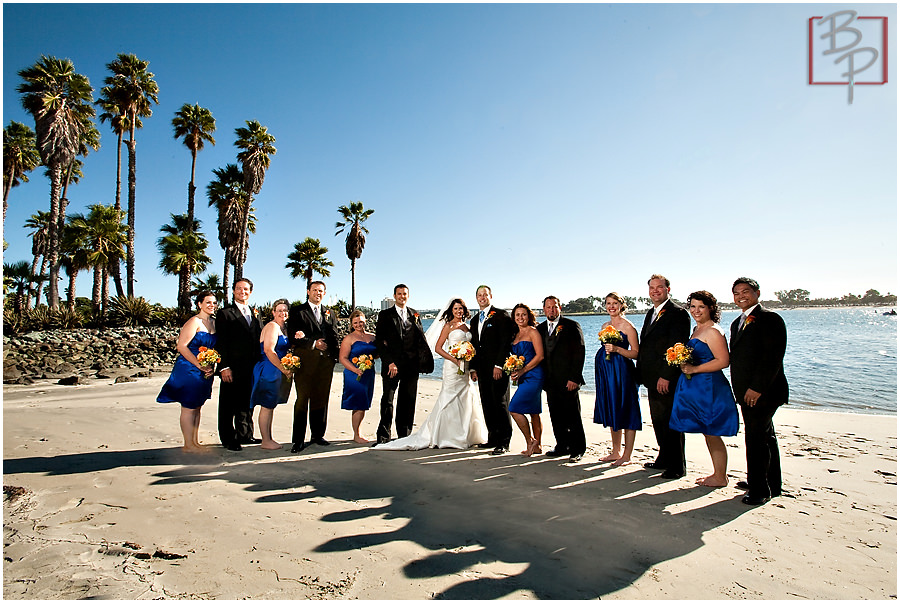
x=386, y=303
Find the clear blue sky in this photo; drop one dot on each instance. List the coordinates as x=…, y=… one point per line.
x=542, y=149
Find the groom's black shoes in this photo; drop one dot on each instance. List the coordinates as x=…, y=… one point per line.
x=321, y=442
x=668, y=474
x=652, y=465
x=499, y=450
x=754, y=500
x=575, y=458
x=297, y=447
x=485, y=445
x=555, y=452
x=233, y=446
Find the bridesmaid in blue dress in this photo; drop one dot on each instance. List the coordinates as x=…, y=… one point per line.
x=191, y=384
x=529, y=378
x=616, y=405
x=359, y=386
x=271, y=381
x=704, y=403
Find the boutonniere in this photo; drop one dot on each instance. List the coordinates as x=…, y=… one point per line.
x=491, y=313
x=327, y=313
x=750, y=320
x=416, y=316
x=255, y=312
x=558, y=329
x=661, y=312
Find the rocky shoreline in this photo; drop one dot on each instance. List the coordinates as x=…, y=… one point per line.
x=71, y=357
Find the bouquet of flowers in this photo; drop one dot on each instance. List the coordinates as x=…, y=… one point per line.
x=513, y=364
x=208, y=357
x=464, y=351
x=679, y=354
x=609, y=334
x=363, y=362
x=289, y=362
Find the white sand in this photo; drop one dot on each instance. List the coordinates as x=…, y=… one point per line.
x=107, y=487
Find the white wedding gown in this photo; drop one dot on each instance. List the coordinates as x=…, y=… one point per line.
x=457, y=420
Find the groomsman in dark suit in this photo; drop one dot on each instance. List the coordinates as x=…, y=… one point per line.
x=313, y=330
x=563, y=364
x=237, y=330
x=492, y=333
x=758, y=343
x=665, y=325
x=404, y=354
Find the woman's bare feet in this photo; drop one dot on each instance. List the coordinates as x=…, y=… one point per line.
x=711, y=481
x=193, y=449
x=273, y=445
x=360, y=440
x=622, y=461
x=530, y=450
x=612, y=456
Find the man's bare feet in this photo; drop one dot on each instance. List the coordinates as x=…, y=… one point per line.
x=711, y=481
x=360, y=440
x=622, y=461
x=273, y=445
x=612, y=456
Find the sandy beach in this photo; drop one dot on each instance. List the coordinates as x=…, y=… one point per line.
x=99, y=502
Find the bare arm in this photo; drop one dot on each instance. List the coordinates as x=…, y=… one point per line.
x=269, y=337
x=344, y=356
x=185, y=336
x=717, y=345
x=439, y=346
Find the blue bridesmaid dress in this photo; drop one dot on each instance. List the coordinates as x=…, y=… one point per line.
x=704, y=403
x=358, y=394
x=616, y=405
x=527, y=399
x=270, y=386
x=187, y=384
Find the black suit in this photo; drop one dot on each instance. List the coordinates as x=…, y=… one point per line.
x=313, y=378
x=492, y=348
x=564, y=362
x=238, y=344
x=757, y=357
x=403, y=345
x=672, y=325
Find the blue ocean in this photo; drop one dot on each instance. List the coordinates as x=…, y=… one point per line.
x=838, y=359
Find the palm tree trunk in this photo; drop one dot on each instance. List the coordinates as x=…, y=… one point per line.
x=119, y=173
x=95, y=291
x=43, y=279
x=129, y=262
x=244, y=242
x=104, y=276
x=53, y=245
x=184, y=279
x=225, y=270
x=7, y=186
x=34, y=273
x=70, y=295
x=191, y=188
x=352, y=284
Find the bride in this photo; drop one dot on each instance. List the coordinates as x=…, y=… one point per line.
x=456, y=421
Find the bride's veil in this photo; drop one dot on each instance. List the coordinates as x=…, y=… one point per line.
x=434, y=331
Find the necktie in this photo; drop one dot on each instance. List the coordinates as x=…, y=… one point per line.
x=316, y=314
x=743, y=320
x=248, y=315
x=481, y=319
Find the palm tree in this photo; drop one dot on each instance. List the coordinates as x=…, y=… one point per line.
x=97, y=241
x=309, y=257
x=20, y=156
x=18, y=276
x=183, y=250
x=210, y=283
x=256, y=145
x=196, y=125
x=39, y=224
x=133, y=88
x=227, y=194
x=60, y=101
x=353, y=216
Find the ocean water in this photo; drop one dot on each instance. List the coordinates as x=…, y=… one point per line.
x=837, y=359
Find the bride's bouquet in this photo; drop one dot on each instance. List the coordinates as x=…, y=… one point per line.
x=513, y=364
x=208, y=356
x=363, y=362
x=679, y=354
x=609, y=334
x=289, y=362
x=465, y=351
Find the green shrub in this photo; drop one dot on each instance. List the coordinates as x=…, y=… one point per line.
x=37, y=319
x=12, y=322
x=63, y=318
x=128, y=311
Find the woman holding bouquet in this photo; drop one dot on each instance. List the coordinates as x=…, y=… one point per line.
x=616, y=404
x=457, y=420
x=359, y=382
x=527, y=345
x=191, y=382
x=271, y=380
x=704, y=402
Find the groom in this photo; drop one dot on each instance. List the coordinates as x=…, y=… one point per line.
x=404, y=354
x=492, y=333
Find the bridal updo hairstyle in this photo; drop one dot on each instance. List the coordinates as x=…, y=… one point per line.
x=532, y=321
x=618, y=298
x=203, y=295
x=709, y=300
x=447, y=316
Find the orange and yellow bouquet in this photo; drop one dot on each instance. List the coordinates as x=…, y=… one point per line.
x=610, y=334
x=679, y=354
x=364, y=362
x=513, y=364
x=464, y=351
x=208, y=357
x=289, y=362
